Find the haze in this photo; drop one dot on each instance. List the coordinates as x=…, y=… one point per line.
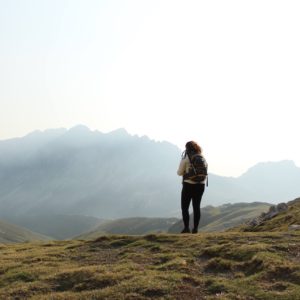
x=224, y=73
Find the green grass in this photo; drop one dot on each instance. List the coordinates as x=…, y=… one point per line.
x=229, y=265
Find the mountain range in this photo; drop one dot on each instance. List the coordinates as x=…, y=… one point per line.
x=117, y=175
x=88, y=173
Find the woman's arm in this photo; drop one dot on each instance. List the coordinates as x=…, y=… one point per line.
x=181, y=168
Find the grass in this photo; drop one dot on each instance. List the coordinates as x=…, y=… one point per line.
x=229, y=265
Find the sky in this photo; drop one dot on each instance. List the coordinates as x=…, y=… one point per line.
x=223, y=73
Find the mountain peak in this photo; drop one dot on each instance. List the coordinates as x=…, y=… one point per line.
x=48, y=132
x=269, y=166
x=119, y=132
x=79, y=128
x=34, y=133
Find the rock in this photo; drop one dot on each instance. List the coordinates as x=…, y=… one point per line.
x=282, y=207
x=294, y=227
x=274, y=210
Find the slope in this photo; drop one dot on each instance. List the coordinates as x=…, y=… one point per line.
x=236, y=266
x=225, y=216
x=10, y=233
x=281, y=222
x=58, y=226
x=131, y=226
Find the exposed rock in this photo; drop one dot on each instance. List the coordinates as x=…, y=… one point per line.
x=273, y=211
x=294, y=227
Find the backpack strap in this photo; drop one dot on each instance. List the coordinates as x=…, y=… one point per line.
x=191, y=162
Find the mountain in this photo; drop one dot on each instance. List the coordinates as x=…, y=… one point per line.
x=17, y=151
x=83, y=172
x=227, y=265
x=265, y=182
x=223, y=217
x=131, y=226
x=10, y=233
x=117, y=175
x=266, y=177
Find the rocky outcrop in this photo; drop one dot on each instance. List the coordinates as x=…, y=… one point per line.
x=273, y=211
x=294, y=227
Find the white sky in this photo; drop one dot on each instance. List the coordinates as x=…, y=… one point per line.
x=224, y=73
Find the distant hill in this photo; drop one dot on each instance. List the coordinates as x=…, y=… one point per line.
x=131, y=226
x=58, y=226
x=225, y=216
x=10, y=233
x=116, y=175
x=213, y=219
x=266, y=177
x=281, y=222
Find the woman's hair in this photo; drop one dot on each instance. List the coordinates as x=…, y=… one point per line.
x=192, y=148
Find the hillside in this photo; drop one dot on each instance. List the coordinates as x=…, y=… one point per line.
x=61, y=226
x=227, y=265
x=58, y=226
x=131, y=226
x=281, y=222
x=117, y=175
x=213, y=219
x=225, y=216
x=10, y=233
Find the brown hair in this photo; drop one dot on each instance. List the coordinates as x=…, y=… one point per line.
x=193, y=147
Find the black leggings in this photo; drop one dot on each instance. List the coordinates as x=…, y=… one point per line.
x=192, y=192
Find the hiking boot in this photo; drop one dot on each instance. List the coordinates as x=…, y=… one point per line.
x=195, y=230
x=186, y=230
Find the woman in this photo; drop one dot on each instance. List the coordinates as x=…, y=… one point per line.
x=193, y=183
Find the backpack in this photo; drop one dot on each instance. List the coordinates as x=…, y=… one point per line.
x=198, y=169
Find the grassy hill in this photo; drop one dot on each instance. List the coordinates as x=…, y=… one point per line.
x=281, y=222
x=59, y=226
x=213, y=219
x=225, y=216
x=135, y=226
x=10, y=233
x=228, y=265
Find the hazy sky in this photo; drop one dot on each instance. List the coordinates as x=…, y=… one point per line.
x=224, y=73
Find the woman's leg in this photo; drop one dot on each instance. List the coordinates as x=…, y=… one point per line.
x=197, y=196
x=185, y=204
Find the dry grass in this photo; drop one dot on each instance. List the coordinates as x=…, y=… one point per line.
x=231, y=265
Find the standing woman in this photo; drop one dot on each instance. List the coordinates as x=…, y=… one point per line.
x=193, y=169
